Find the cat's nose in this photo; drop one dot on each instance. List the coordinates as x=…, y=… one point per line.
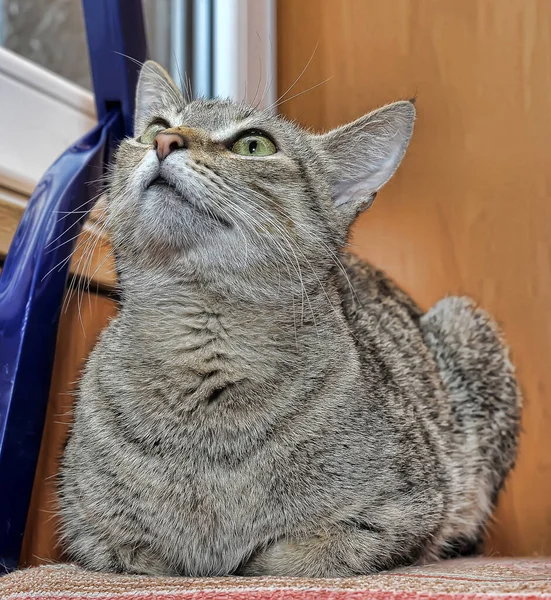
x=165, y=143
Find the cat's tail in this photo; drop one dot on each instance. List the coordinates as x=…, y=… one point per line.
x=474, y=365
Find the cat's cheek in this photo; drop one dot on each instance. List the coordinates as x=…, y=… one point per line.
x=146, y=170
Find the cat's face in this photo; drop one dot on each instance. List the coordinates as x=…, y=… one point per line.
x=215, y=185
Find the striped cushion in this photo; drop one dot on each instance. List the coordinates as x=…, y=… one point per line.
x=464, y=579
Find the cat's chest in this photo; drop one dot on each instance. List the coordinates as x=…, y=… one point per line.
x=210, y=515
x=201, y=352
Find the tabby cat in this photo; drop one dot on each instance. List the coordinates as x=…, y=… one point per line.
x=266, y=403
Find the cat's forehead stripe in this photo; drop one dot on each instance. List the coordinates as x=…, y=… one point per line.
x=233, y=129
x=216, y=117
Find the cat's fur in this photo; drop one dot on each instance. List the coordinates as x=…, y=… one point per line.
x=256, y=407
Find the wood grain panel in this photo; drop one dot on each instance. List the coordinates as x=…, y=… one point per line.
x=79, y=328
x=469, y=212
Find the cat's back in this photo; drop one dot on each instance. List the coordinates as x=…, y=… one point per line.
x=398, y=366
x=365, y=288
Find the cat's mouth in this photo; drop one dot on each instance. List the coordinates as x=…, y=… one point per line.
x=160, y=181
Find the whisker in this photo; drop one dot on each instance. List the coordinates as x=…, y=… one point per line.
x=303, y=92
x=269, y=83
x=298, y=78
x=131, y=58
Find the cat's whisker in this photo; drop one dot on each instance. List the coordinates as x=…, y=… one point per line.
x=278, y=104
x=274, y=224
x=59, y=265
x=291, y=246
x=70, y=212
x=297, y=79
x=68, y=258
x=85, y=279
x=62, y=234
x=88, y=243
x=91, y=202
x=270, y=82
x=183, y=86
x=83, y=214
x=257, y=85
x=257, y=225
x=315, y=275
x=305, y=258
x=130, y=58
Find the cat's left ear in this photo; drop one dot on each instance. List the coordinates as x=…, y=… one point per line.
x=364, y=154
x=155, y=88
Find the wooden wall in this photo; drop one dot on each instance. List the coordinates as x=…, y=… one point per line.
x=82, y=321
x=469, y=211
x=83, y=317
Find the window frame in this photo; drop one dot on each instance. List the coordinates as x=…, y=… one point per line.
x=41, y=114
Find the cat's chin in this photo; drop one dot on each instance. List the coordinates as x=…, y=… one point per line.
x=169, y=200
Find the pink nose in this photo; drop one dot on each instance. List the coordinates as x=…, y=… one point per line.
x=165, y=143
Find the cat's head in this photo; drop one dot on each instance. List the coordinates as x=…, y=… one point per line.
x=215, y=186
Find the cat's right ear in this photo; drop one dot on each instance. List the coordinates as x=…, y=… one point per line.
x=155, y=88
x=363, y=155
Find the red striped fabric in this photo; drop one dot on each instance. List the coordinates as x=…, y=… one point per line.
x=467, y=579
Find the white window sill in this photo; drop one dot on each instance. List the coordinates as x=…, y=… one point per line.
x=41, y=114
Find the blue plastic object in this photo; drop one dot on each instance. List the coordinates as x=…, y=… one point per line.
x=116, y=42
x=32, y=283
x=32, y=286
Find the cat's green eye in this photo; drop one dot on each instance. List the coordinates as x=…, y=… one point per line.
x=149, y=134
x=254, y=144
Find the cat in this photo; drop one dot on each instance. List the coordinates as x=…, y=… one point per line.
x=266, y=403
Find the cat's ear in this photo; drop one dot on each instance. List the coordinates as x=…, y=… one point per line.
x=155, y=87
x=364, y=154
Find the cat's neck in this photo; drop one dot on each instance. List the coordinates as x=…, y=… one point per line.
x=180, y=295
x=261, y=355
x=247, y=324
